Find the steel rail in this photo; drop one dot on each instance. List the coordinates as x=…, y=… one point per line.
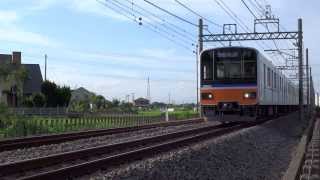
x=35, y=141
x=142, y=148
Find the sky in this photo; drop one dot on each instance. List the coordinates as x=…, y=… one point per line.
x=90, y=45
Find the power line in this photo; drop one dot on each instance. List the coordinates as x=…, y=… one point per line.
x=249, y=9
x=197, y=14
x=165, y=30
x=266, y=26
x=163, y=20
x=170, y=13
x=259, y=5
x=153, y=28
x=178, y=30
x=231, y=14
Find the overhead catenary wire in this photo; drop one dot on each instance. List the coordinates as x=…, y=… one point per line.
x=233, y=16
x=172, y=26
x=197, y=14
x=266, y=26
x=251, y=12
x=152, y=28
x=172, y=14
x=165, y=30
x=200, y=16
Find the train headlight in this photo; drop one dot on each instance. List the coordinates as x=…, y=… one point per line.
x=250, y=95
x=207, y=96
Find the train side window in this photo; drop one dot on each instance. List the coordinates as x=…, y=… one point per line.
x=264, y=76
x=275, y=80
x=280, y=84
x=269, y=78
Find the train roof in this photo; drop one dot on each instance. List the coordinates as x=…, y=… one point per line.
x=231, y=47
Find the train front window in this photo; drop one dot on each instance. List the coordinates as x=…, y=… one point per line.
x=228, y=70
x=235, y=65
x=207, y=66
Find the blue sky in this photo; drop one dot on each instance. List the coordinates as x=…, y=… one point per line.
x=90, y=45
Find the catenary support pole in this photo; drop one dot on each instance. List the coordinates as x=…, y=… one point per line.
x=200, y=48
x=300, y=47
x=197, y=76
x=308, y=79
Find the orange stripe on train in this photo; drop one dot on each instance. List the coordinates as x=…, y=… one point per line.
x=229, y=95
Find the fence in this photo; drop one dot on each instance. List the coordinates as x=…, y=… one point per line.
x=58, y=111
x=26, y=126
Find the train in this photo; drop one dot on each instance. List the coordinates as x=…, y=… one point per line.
x=241, y=84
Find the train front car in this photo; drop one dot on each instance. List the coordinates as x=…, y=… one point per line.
x=229, y=83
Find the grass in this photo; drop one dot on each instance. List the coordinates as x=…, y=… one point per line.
x=15, y=126
x=176, y=115
x=26, y=126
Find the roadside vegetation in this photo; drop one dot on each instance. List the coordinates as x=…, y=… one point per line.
x=83, y=110
x=20, y=126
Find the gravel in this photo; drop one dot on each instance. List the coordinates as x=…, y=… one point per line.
x=45, y=150
x=262, y=152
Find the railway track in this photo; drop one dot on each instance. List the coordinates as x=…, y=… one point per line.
x=73, y=164
x=35, y=141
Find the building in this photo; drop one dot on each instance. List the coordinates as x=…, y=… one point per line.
x=142, y=102
x=18, y=80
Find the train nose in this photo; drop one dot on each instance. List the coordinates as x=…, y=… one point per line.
x=228, y=106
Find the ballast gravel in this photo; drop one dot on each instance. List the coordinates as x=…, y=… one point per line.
x=46, y=150
x=256, y=153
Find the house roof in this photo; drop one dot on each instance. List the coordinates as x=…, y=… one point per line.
x=34, y=79
x=5, y=58
x=142, y=99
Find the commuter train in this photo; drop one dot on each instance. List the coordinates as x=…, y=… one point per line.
x=241, y=84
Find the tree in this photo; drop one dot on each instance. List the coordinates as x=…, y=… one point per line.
x=63, y=96
x=115, y=103
x=4, y=115
x=56, y=95
x=100, y=102
x=12, y=78
x=49, y=89
x=38, y=100
x=28, y=102
x=126, y=107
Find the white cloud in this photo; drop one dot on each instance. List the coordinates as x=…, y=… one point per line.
x=8, y=16
x=37, y=5
x=17, y=35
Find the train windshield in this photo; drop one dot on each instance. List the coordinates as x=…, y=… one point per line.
x=229, y=65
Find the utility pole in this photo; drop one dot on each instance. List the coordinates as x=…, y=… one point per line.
x=308, y=80
x=45, y=67
x=132, y=94
x=200, y=48
x=300, y=47
x=311, y=89
x=127, y=98
x=197, y=71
